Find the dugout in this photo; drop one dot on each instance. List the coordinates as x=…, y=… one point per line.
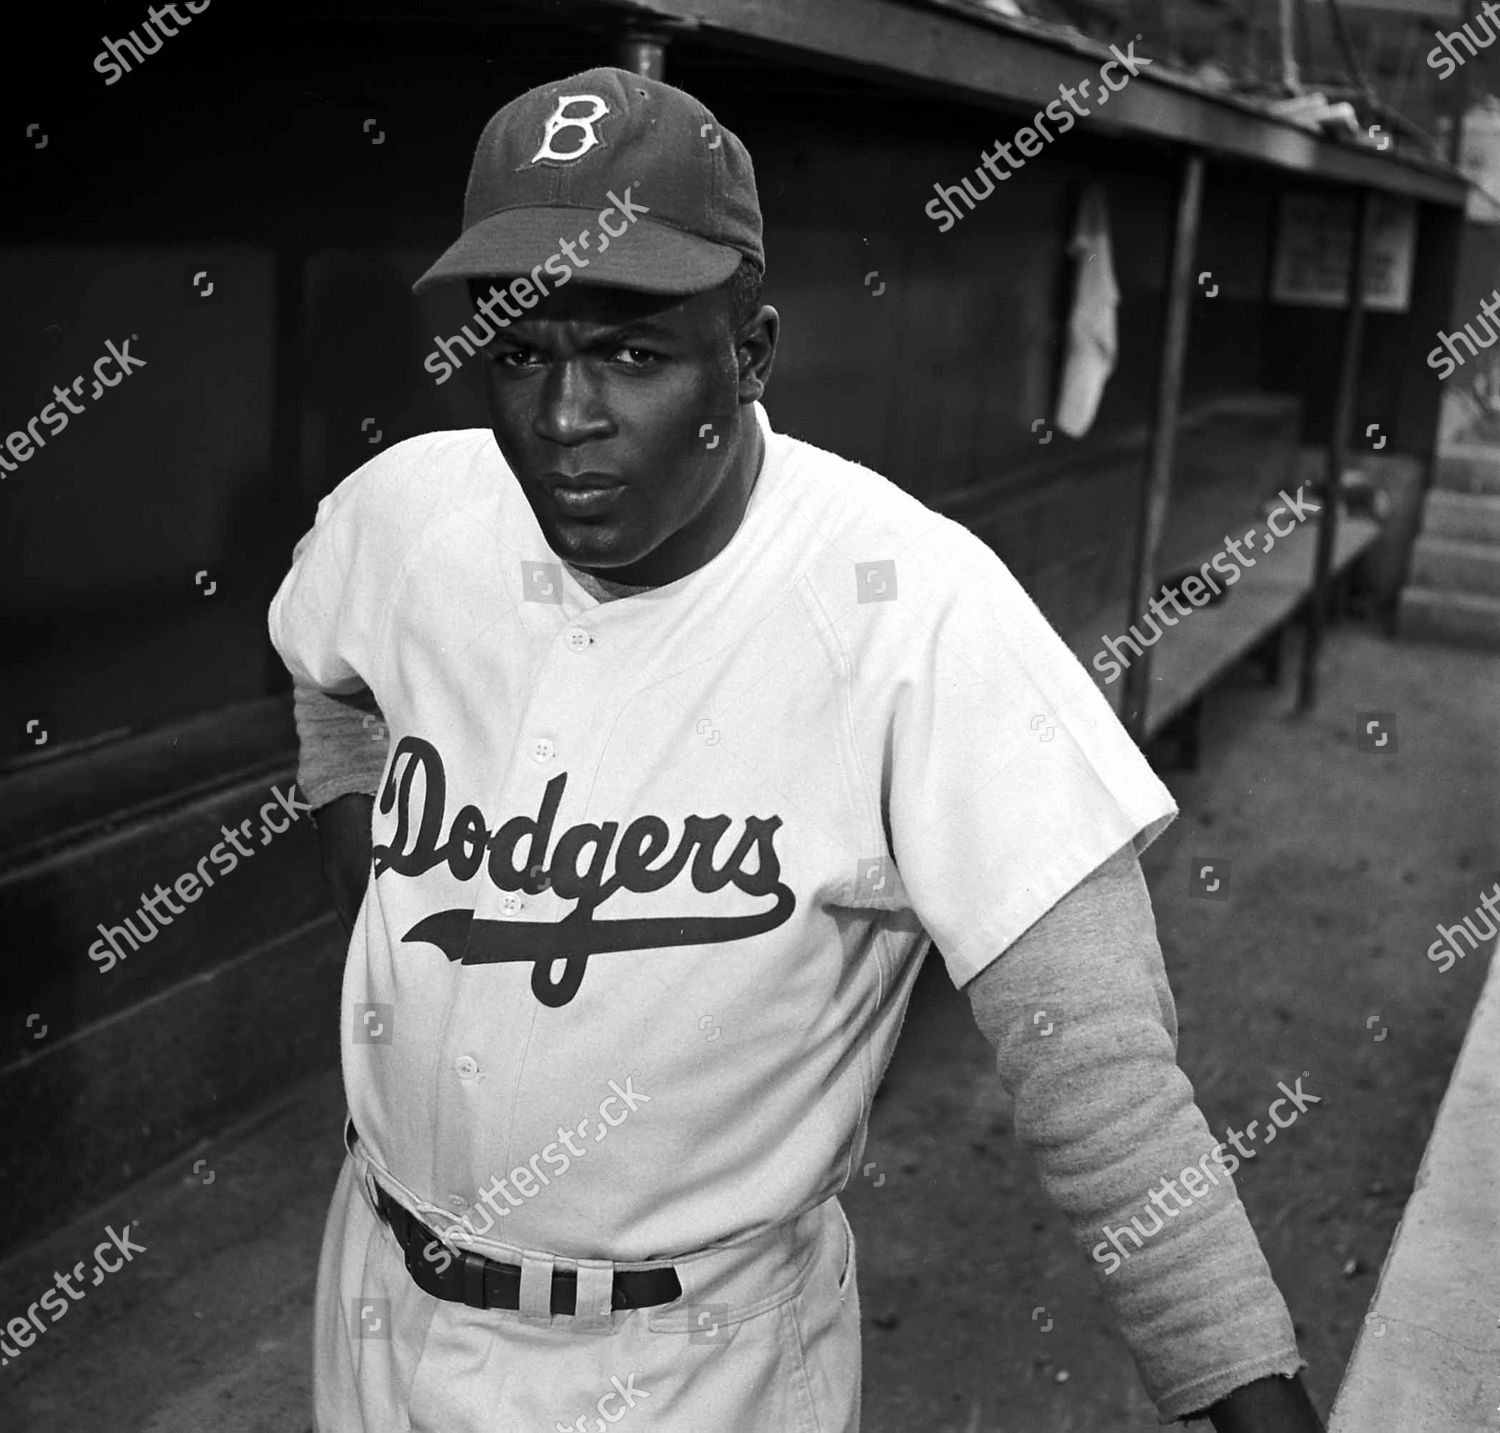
x=253, y=201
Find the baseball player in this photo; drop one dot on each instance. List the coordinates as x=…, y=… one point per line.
x=698, y=737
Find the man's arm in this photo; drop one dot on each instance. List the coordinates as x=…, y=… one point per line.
x=1106, y=1112
x=1267, y=1405
x=342, y=746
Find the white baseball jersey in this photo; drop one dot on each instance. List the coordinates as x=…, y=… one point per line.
x=653, y=876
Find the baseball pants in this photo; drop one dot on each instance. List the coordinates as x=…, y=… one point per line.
x=764, y=1339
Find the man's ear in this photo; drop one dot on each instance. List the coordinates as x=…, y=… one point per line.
x=755, y=353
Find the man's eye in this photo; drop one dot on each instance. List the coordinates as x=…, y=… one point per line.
x=513, y=359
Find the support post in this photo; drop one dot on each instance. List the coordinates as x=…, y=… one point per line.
x=1444, y=253
x=1343, y=415
x=1158, y=485
x=644, y=52
x=1460, y=93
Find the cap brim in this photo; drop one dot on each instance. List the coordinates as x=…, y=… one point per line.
x=647, y=256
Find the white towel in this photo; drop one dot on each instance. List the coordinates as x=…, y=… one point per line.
x=1092, y=342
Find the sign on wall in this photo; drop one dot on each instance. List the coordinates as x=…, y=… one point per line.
x=1314, y=242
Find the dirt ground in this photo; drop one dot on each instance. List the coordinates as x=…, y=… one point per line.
x=979, y=1316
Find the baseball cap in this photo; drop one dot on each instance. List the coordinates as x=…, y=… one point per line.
x=553, y=160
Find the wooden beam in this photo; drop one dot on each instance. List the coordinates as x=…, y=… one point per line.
x=1343, y=417
x=1158, y=486
x=985, y=59
x=1444, y=253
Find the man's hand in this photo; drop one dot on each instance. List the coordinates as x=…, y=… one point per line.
x=1269, y=1405
x=344, y=836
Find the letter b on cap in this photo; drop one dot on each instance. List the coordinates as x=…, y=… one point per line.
x=558, y=121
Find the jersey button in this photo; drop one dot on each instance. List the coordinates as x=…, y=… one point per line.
x=467, y=1067
x=578, y=639
x=510, y=905
x=458, y=1204
x=542, y=751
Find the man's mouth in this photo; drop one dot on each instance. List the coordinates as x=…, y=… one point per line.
x=585, y=494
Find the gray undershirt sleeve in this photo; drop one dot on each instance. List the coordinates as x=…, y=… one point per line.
x=341, y=744
x=1106, y=1113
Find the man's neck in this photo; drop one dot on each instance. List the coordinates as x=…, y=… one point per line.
x=604, y=589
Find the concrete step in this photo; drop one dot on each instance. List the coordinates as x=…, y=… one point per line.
x=1452, y=565
x=1472, y=517
x=153, y=1039
x=210, y=1330
x=1425, y=1377
x=1471, y=469
x=1459, y=619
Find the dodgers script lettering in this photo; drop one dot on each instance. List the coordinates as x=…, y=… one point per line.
x=609, y=867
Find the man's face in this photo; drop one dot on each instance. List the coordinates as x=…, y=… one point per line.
x=597, y=397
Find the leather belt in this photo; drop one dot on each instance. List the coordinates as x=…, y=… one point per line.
x=464, y=1277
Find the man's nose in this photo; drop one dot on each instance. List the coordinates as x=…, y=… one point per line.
x=572, y=409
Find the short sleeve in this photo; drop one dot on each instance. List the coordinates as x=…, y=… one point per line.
x=326, y=614
x=1011, y=779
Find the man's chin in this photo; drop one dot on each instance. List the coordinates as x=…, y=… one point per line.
x=593, y=546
